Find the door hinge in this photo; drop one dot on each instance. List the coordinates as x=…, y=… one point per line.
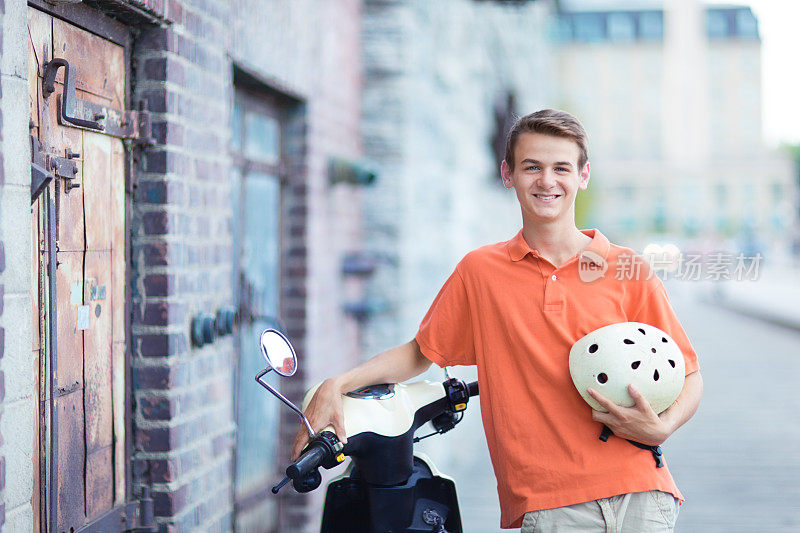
x=78, y=113
x=134, y=516
x=40, y=175
x=47, y=167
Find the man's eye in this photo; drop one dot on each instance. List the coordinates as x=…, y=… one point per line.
x=532, y=168
x=562, y=169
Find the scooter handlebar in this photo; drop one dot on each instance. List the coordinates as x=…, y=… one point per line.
x=472, y=388
x=310, y=460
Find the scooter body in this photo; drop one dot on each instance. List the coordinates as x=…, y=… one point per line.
x=387, y=487
x=355, y=506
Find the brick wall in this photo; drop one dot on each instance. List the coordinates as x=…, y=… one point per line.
x=182, y=234
x=181, y=260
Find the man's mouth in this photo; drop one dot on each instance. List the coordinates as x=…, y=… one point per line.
x=547, y=197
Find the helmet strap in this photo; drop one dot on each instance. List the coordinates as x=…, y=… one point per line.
x=655, y=450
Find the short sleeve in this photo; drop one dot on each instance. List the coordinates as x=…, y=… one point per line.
x=445, y=334
x=656, y=310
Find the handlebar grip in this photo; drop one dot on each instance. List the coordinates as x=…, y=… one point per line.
x=308, y=461
x=472, y=389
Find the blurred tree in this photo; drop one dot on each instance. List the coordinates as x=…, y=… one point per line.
x=583, y=208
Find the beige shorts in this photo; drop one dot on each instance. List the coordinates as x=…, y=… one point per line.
x=638, y=512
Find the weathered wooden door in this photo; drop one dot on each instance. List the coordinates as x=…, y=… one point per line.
x=77, y=121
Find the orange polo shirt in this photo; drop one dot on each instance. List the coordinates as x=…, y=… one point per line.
x=516, y=316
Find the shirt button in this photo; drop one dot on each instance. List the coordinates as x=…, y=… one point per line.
x=554, y=277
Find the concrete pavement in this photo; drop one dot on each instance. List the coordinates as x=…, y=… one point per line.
x=773, y=297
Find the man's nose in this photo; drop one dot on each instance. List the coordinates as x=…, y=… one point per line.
x=547, y=178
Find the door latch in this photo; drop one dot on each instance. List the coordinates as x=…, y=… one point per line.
x=47, y=167
x=89, y=115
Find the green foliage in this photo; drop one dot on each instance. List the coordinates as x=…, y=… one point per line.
x=794, y=152
x=583, y=208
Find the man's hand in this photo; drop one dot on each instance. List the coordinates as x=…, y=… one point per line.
x=324, y=409
x=638, y=423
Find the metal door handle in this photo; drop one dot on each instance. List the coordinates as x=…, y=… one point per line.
x=68, y=111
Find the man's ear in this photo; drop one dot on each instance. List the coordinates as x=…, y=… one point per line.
x=505, y=173
x=584, y=181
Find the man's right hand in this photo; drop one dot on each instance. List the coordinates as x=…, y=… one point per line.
x=324, y=409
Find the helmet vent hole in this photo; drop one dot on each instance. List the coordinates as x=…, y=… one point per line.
x=653, y=350
x=643, y=333
x=628, y=341
x=635, y=364
x=672, y=363
x=655, y=375
x=602, y=378
x=593, y=348
x=664, y=339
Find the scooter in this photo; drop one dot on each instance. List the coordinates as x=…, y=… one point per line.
x=388, y=487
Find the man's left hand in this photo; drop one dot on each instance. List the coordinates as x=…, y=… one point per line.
x=638, y=423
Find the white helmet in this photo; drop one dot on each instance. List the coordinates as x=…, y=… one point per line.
x=610, y=358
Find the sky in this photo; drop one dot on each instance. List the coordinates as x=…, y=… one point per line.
x=780, y=37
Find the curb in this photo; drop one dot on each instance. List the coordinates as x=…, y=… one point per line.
x=778, y=319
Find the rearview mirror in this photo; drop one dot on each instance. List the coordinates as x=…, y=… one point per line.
x=278, y=352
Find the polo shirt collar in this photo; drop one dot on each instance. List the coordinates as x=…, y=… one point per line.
x=518, y=248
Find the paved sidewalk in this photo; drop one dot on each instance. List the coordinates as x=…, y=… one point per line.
x=774, y=297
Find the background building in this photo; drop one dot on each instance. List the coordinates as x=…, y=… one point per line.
x=670, y=93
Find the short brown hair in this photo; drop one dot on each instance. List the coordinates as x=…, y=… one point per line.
x=549, y=122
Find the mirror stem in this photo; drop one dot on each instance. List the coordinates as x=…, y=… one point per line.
x=282, y=398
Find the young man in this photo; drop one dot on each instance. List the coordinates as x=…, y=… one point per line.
x=515, y=309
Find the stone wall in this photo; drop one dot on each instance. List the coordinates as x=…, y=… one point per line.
x=17, y=372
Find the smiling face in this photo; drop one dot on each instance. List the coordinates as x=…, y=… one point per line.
x=546, y=177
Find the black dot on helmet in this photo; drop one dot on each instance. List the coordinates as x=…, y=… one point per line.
x=653, y=350
x=643, y=332
x=593, y=348
x=628, y=341
x=655, y=375
x=671, y=363
x=664, y=339
x=602, y=378
x=635, y=364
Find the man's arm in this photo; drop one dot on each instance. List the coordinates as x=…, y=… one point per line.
x=640, y=423
x=325, y=408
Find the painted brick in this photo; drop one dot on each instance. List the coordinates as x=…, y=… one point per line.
x=18, y=452
x=15, y=42
x=15, y=110
x=17, y=358
x=19, y=518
